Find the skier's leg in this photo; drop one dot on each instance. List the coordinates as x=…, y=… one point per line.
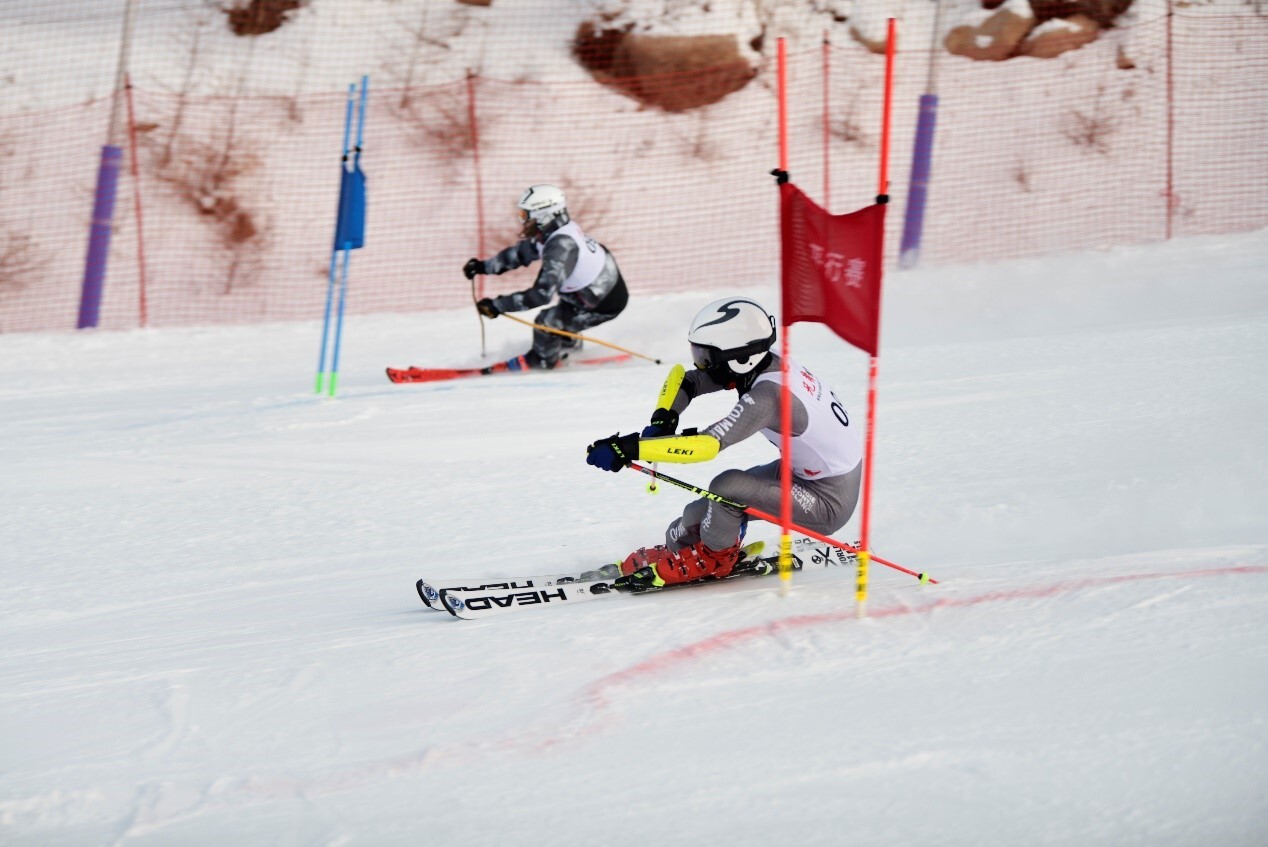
x=720, y=524
x=705, y=541
x=577, y=319
x=685, y=531
x=546, y=345
x=823, y=505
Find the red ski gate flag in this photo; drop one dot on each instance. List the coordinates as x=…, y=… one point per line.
x=832, y=267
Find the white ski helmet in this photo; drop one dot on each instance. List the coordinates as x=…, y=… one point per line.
x=731, y=337
x=543, y=209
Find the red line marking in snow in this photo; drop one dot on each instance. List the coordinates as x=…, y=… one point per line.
x=596, y=692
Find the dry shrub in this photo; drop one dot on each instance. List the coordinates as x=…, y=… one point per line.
x=205, y=172
x=438, y=115
x=440, y=118
x=203, y=161
x=1092, y=127
x=20, y=261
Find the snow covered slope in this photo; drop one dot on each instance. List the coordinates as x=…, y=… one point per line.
x=209, y=633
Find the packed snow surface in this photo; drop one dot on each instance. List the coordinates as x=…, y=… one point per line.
x=209, y=633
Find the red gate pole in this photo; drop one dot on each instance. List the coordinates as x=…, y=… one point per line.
x=785, y=393
x=865, y=544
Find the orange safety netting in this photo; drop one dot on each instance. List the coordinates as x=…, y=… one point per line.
x=238, y=194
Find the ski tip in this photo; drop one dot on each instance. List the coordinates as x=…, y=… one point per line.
x=452, y=605
x=425, y=593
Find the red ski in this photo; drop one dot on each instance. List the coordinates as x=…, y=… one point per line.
x=513, y=366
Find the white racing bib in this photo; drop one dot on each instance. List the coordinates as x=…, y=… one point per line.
x=829, y=446
x=589, y=257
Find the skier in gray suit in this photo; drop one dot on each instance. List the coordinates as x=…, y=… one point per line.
x=579, y=269
x=731, y=343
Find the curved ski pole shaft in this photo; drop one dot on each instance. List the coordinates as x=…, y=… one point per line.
x=579, y=336
x=767, y=516
x=478, y=315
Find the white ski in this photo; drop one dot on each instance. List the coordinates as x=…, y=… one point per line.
x=495, y=597
x=471, y=604
x=429, y=589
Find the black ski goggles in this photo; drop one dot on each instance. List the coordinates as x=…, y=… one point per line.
x=708, y=358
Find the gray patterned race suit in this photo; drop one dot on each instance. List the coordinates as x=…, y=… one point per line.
x=583, y=302
x=823, y=504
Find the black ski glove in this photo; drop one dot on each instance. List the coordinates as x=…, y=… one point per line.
x=613, y=453
x=472, y=267
x=664, y=422
x=780, y=176
x=486, y=308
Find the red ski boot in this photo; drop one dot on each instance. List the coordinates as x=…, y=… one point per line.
x=654, y=567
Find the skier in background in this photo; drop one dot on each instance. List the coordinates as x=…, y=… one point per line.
x=731, y=343
x=579, y=269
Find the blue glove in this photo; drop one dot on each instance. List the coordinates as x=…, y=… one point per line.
x=664, y=422
x=613, y=453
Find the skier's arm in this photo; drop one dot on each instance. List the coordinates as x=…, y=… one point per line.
x=617, y=451
x=680, y=388
x=750, y=415
x=757, y=410
x=518, y=255
x=664, y=419
x=558, y=261
x=678, y=449
x=694, y=383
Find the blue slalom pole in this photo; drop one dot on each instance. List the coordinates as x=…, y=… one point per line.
x=334, y=253
x=350, y=228
x=343, y=293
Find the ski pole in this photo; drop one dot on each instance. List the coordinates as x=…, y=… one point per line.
x=478, y=315
x=567, y=334
x=766, y=516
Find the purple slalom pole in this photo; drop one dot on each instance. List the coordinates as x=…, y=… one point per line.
x=918, y=186
x=107, y=181
x=99, y=237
